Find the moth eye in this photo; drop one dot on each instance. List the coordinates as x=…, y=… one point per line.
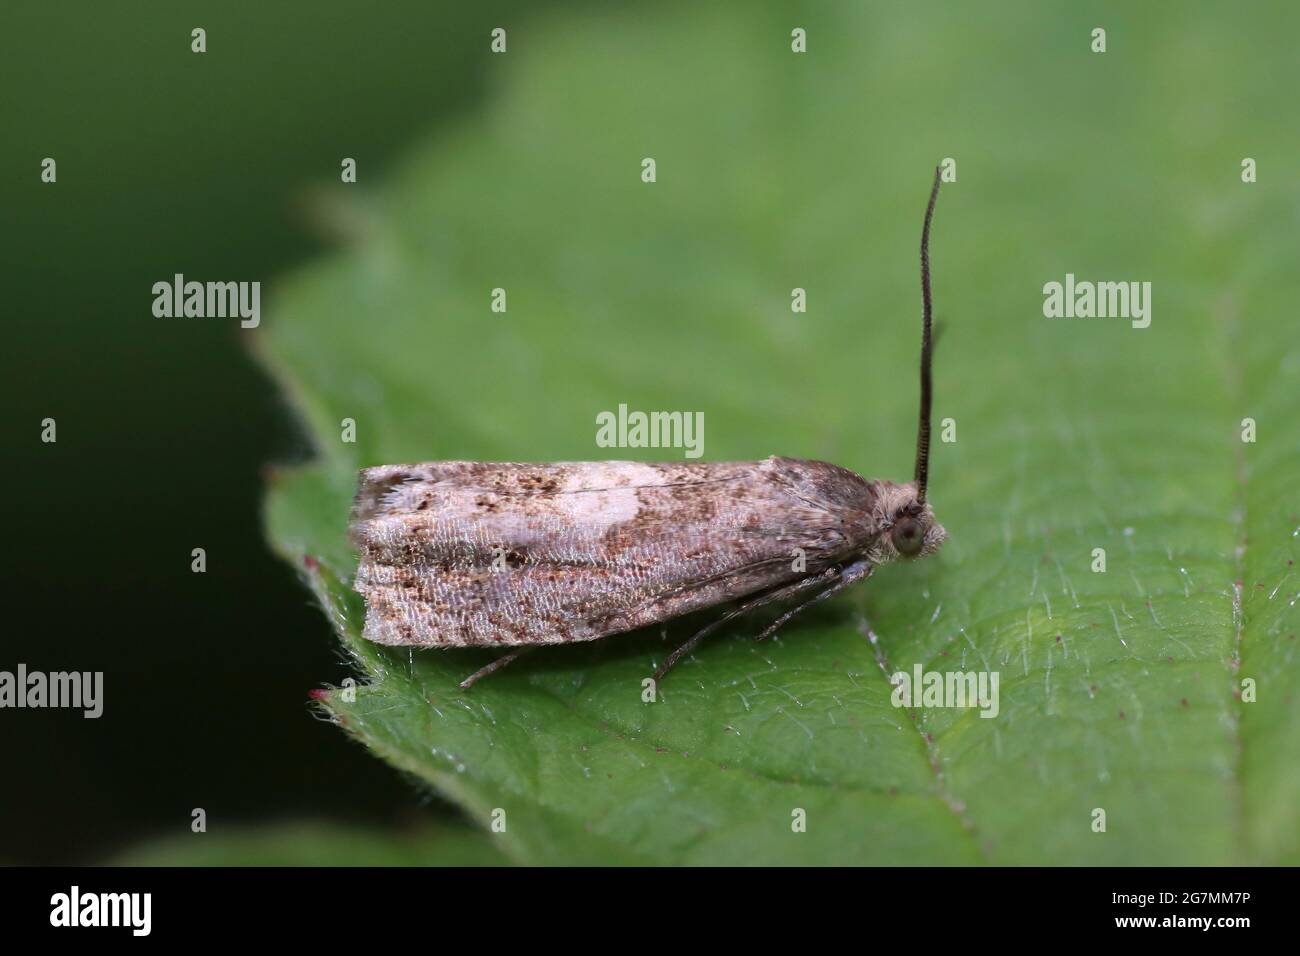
x=907, y=537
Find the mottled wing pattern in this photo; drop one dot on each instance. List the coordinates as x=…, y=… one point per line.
x=483, y=554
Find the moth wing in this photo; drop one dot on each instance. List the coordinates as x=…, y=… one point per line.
x=501, y=554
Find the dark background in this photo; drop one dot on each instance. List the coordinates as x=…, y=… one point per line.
x=170, y=161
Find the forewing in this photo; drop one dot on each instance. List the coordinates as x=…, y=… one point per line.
x=478, y=553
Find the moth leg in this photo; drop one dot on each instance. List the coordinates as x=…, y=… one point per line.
x=858, y=571
x=779, y=594
x=492, y=668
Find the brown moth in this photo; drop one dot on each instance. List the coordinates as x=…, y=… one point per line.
x=487, y=554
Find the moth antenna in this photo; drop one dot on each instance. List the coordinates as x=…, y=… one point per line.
x=922, y=475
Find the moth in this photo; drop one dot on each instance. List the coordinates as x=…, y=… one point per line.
x=513, y=556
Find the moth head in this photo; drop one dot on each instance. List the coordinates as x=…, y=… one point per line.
x=908, y=528
x=914, y=532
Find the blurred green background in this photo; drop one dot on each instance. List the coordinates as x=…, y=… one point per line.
x=775, y=171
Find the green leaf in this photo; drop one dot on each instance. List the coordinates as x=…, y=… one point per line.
x=312, y=843
x=1119, y=691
